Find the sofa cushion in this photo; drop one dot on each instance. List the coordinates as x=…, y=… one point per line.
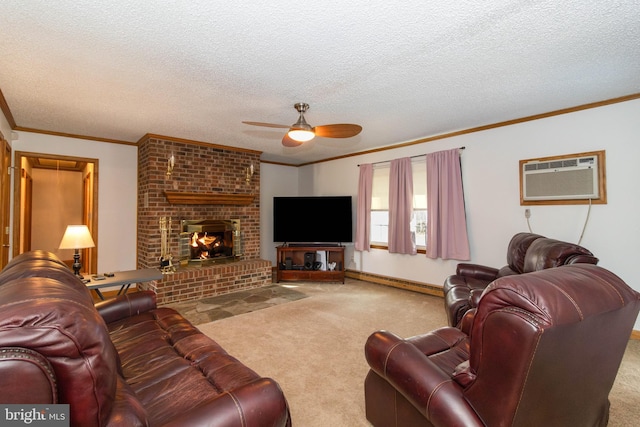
x=41, y=267
x=550, y=339
x=170, y=364
x=37, y=254
x=548, y=253
x=516, y=253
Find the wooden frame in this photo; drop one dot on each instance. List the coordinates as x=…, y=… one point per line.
x=5, y=199
x=602, y=181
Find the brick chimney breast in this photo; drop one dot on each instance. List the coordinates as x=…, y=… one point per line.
x=210, y=170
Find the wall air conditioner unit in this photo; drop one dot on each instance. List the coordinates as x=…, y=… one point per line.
x=567, y=178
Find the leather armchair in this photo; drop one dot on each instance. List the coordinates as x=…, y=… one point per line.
x=544, y=349
x=526, y=252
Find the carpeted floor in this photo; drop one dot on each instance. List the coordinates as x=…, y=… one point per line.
x=314, y=348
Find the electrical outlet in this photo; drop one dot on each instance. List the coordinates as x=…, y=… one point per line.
x=527, y=213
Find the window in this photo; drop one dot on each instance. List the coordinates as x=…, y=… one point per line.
x=419, y=220
x=380, y=204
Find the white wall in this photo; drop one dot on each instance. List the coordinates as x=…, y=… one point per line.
x=275, y=180
x=117, y=191
x=491, y=181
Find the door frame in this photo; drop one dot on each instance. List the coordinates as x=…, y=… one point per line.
x=90, y=213
x=5, y=200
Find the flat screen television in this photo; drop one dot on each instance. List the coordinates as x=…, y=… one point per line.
x=312, y=219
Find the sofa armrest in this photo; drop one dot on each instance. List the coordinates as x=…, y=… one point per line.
x=429, y=389
x=27, y=377
x=477, y=271
x=437, y=341
x=253, y=405
x=127, y=305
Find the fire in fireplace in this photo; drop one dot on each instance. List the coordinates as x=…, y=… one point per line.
x=209, y=241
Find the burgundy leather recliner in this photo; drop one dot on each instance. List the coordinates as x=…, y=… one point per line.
x=544, y=349
x=526, y=252
x=123, y=362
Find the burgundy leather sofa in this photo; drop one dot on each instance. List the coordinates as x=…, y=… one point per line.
x=123, y=362
x=526, y=252
x=544, y=349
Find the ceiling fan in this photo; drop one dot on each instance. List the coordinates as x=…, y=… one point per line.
x=301, y=131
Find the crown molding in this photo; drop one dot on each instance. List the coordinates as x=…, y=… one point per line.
x=149, y=136
x=7, y=113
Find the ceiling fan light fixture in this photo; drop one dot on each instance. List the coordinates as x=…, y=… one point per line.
x=301, y=131
x=301, y=135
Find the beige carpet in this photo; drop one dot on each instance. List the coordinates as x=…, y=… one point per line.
x=314, y=348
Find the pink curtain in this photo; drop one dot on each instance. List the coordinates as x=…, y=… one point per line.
x=363, y=209
x=446, y=219
x=401, y=240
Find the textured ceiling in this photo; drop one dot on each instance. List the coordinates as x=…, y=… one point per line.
x=403, y=70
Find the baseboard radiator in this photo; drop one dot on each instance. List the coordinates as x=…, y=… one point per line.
x=395, y=282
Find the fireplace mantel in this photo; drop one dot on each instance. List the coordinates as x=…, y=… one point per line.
x=186, y=198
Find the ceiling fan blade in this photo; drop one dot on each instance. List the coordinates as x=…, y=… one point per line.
x=288, y=142
x=269, y=125
x=344, y=130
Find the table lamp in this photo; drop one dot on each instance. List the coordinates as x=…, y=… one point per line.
x=77, y=237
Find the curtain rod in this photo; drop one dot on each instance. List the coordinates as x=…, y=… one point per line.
x=411, y=157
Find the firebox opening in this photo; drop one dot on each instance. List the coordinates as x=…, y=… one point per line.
x=209, y=241
x=210, y=245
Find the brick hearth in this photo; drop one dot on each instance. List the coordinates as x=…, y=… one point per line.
x=191, y=283
x=211, y=171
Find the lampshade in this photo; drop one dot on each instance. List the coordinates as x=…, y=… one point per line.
x=76, y=237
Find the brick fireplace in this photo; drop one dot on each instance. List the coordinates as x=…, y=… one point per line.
x=208, y=182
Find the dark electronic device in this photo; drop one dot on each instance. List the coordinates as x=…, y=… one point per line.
x=309, y=259
x=313, y=219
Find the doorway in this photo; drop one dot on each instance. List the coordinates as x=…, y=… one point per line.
x=51, y=192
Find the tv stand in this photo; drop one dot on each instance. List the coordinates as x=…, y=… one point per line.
x=297, y=263
x=311, y=245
